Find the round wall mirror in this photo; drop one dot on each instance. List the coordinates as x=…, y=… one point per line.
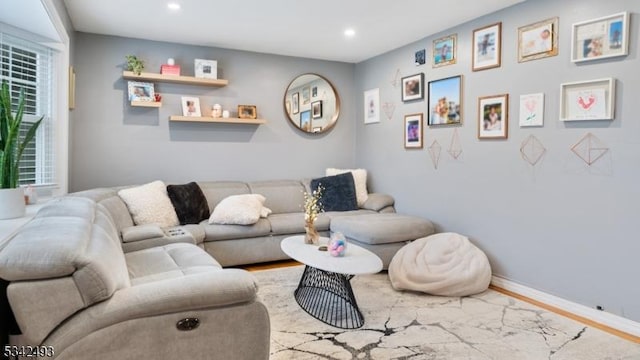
x=312, y=103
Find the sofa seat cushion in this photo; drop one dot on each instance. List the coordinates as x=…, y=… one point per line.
x=214, y=232
x=382, y=228
x=330, y=215
x=168, y=261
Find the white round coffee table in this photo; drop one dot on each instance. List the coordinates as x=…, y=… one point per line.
x=324, y=291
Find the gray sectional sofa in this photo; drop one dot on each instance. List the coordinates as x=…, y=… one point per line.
x=87, y=281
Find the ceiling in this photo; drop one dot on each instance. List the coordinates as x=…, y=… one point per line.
x=285, y=27
x=30, y=15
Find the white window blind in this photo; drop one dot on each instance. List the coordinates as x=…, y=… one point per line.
x=28, y=66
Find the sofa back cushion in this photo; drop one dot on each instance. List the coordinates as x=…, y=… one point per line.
x=282, y=196
x=112, y=202
x=216, y=191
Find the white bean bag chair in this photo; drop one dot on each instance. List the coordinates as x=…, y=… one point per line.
x=446, y=264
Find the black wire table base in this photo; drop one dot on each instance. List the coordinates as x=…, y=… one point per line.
x=328, y=297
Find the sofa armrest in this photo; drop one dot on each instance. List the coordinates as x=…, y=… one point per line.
x=377, y=202
x=141, y=232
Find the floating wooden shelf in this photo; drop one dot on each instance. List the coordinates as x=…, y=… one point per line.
x=177, y=79
x=206, y=119
x=153, y=104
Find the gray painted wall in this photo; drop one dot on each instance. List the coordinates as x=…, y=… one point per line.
x=561, y=227
x=116, y=144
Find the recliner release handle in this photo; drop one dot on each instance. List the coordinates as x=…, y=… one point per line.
x=188, y=324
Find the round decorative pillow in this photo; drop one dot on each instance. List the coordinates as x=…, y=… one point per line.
x=446, y=264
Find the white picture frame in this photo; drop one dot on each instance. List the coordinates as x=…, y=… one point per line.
x=372, y=106
x=206, y=69
x=191, y=106
x=532, y=110
x=587, y=100
x=600, y=38
x=140, y=91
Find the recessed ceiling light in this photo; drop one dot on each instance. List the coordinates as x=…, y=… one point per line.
x=349, y=32
x=173, y=6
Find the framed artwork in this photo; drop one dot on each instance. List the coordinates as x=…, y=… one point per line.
x=487, y=47
x=295, y=103
x=420, y=57
x=207, y=69
x=140, y=91
x=587, y=100
x=372, y=106
x=306, y=91
x=412, y=87
x=600, y=38
x=247, y=112
x=72, y=88
x=493, y=116
x=305, y=120
x=532, y=110
x=539, y=40
x=190, y=106
x=444, y=50
x=316, y=109
x=445, y=101
x=314, y=91
x=413, y=131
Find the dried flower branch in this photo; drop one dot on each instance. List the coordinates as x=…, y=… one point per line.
x=312, y=204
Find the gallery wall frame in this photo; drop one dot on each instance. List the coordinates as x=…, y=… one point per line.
x=538, y=40
x=445, y=101
x=600, y=38
x=493, y=116
x=413, y=87
x=588, y=100
x=372, y=106
x=445, y=51
x=487, y=47
x=413, y=130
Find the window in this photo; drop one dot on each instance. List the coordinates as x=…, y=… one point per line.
x=28, y=66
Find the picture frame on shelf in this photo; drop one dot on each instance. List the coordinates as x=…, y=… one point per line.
x=305, y=120
x=140, y=91
x=295, y=103
x=588, y=100
x=532, y=110
x=600, y=38
x=445, y=101
x=493, y=116
x=372, y=106
x=316, y=109
x=206, y=69
x=191, y=106
x=538, y=40
x=487, y=47
x=445, y=50
x=413, y=131
x=247, y=112
x=413, y=87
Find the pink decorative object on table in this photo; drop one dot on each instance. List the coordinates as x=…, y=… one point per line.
x=337, y=245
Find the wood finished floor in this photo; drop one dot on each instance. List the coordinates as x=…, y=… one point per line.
x=629, y=337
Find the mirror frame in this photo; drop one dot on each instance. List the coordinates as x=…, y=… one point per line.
x=333, y=120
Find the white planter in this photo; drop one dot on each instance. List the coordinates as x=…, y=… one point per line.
x=11, y=203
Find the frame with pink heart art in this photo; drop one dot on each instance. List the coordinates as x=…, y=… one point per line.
x=587, y=100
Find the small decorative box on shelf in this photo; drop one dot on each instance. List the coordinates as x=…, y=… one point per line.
x=189, y=80
x=170, y=70
x=206, y=119
x=153, y=104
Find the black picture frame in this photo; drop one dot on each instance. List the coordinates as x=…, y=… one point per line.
x=412, y=87
x=316, y=109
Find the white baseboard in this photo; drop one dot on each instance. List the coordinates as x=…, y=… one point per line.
x=598, y=316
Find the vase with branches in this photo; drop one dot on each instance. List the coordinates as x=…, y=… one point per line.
x=312, y=208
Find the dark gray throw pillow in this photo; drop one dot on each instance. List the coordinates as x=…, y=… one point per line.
x=190, y=203
x=339, y=192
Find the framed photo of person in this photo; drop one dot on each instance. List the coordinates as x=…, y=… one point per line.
x=190, y=106
x=247, y=112
x=487, y=47
x=493, y=116
x=413, y=131
x=305, y=120
x=539, y=40
x=600, y=38
x=445, y=101
x=207, y=69
x=444, y=50
x=412, y=87
x=316, y=109
x=140, y=91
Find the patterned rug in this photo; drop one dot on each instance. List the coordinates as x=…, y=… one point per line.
x=406, y=325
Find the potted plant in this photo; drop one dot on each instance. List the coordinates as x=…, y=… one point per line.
x=12, y=203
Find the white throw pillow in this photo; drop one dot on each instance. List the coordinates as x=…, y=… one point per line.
x=238, y=210
x=359, y=179
x=150, y=204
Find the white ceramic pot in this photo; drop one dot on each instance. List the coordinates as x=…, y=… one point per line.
x=11, y=203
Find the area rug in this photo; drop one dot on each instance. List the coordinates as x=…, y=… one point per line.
x=407, y=325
